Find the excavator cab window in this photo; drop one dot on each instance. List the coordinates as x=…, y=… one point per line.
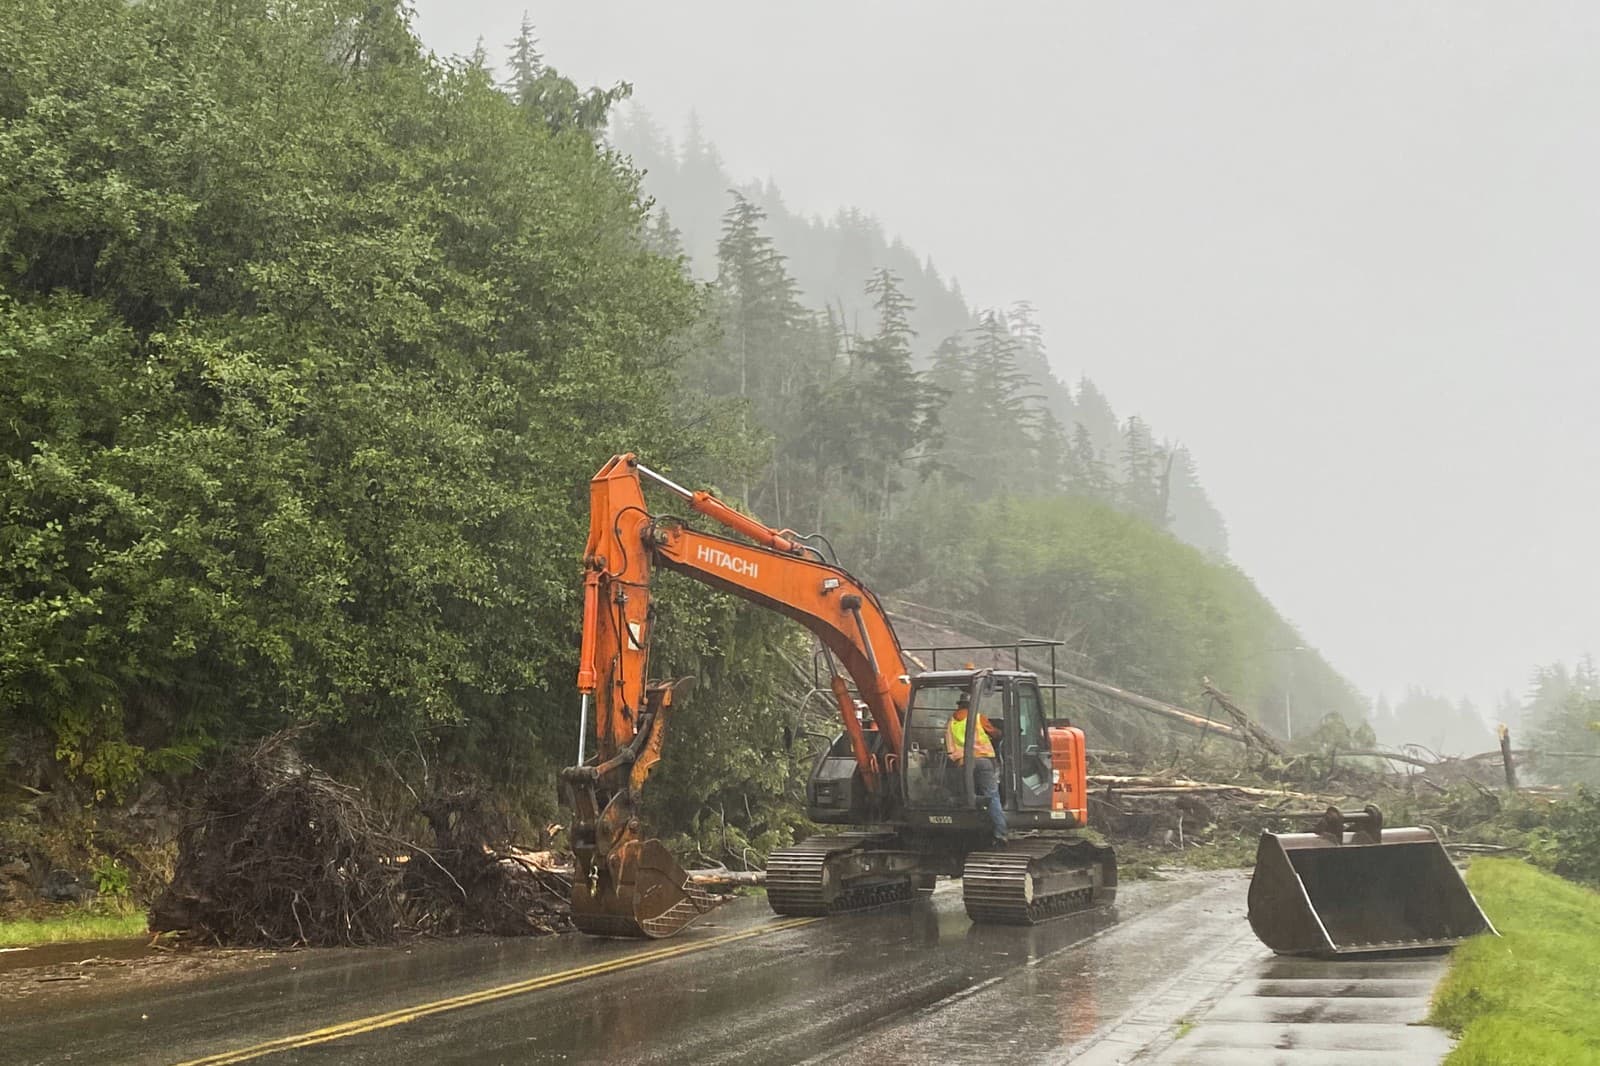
x=931, y=779
x=1033, y=756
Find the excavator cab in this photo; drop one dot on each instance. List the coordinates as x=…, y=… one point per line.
x=1040, y=763
x=938, y=825
x=933, y=781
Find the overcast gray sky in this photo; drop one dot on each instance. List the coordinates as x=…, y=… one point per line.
x=1348, y=253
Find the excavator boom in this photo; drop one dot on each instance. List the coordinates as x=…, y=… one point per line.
x=626, y=885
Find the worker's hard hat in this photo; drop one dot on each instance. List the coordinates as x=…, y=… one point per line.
x=963, y=700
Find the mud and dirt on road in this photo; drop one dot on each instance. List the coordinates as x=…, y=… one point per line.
x=60, y=973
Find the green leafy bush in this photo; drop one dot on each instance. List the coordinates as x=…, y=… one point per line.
x=111, y=879
x=1571, y=843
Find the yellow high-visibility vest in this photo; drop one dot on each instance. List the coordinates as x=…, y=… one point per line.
x=956, y=740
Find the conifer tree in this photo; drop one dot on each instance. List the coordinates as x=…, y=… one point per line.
x=1144, y=472
x=776, y=357
x=545, y=96
x=1193, y=517
x=662, y=237
x=897, y=405
x=525, y=62
x=1085, y=472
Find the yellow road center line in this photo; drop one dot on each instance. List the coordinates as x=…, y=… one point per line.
x=487, y=995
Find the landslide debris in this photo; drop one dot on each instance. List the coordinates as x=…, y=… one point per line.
x=281, y=854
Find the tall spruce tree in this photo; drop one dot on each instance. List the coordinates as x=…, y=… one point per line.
x=897, y=406
x=1143, y=491
x=545, y=96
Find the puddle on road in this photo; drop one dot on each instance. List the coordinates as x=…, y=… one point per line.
x=66, y=954
x=1035, y=991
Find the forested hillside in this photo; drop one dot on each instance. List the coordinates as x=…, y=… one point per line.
x=309, y=343
x=1121, y=462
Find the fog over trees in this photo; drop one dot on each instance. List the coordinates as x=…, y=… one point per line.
x=1341, y=259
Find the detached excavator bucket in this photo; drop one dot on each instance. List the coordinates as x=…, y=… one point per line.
x=638, y=890
x=1352, y=887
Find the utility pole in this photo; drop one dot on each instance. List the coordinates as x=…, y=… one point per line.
x=1288, y=691
x=1288, y=685
x=1288, y=706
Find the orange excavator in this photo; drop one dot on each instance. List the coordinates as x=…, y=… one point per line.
x=914, y=812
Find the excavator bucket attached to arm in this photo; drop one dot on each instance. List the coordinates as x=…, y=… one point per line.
x=623, y=884
x=640, y=892
x=1353, y=887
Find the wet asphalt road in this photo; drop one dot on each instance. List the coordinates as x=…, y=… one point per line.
x=914, y=983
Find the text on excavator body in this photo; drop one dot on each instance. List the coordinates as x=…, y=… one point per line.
x=717, y=557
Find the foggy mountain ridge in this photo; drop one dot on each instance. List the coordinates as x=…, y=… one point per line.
x=1346, y=257
x=690, y=186
x=1298, y=228
x=691, y=189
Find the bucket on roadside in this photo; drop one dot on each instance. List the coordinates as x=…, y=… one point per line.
x=1353, y=887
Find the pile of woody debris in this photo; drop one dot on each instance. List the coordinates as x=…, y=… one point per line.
x=280, y=854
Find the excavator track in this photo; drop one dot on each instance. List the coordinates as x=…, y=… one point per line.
x=1035, y=879
x=831, y=874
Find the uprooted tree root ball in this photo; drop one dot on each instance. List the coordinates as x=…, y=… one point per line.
x=281, y=854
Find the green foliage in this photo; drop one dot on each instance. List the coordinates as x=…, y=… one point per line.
x=1140, y=608
x=1572, y=838
x=308, y=344
x=543, y=95
x=1526, y=996
x=1335, y=733
x=728, y=788
x=111, y=878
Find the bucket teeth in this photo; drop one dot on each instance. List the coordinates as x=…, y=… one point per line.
x=640, y=892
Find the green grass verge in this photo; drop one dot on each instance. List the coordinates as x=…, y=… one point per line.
x=1531, y=995
x=71, y=927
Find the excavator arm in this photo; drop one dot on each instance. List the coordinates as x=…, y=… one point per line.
x=626, y=885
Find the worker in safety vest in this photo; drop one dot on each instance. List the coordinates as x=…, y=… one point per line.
x=985, y=773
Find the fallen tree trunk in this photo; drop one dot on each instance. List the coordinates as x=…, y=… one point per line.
x=1251, y=729
x=1156, y=786
x=1165, y=710
x=1393, y=756
x=714, y=879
